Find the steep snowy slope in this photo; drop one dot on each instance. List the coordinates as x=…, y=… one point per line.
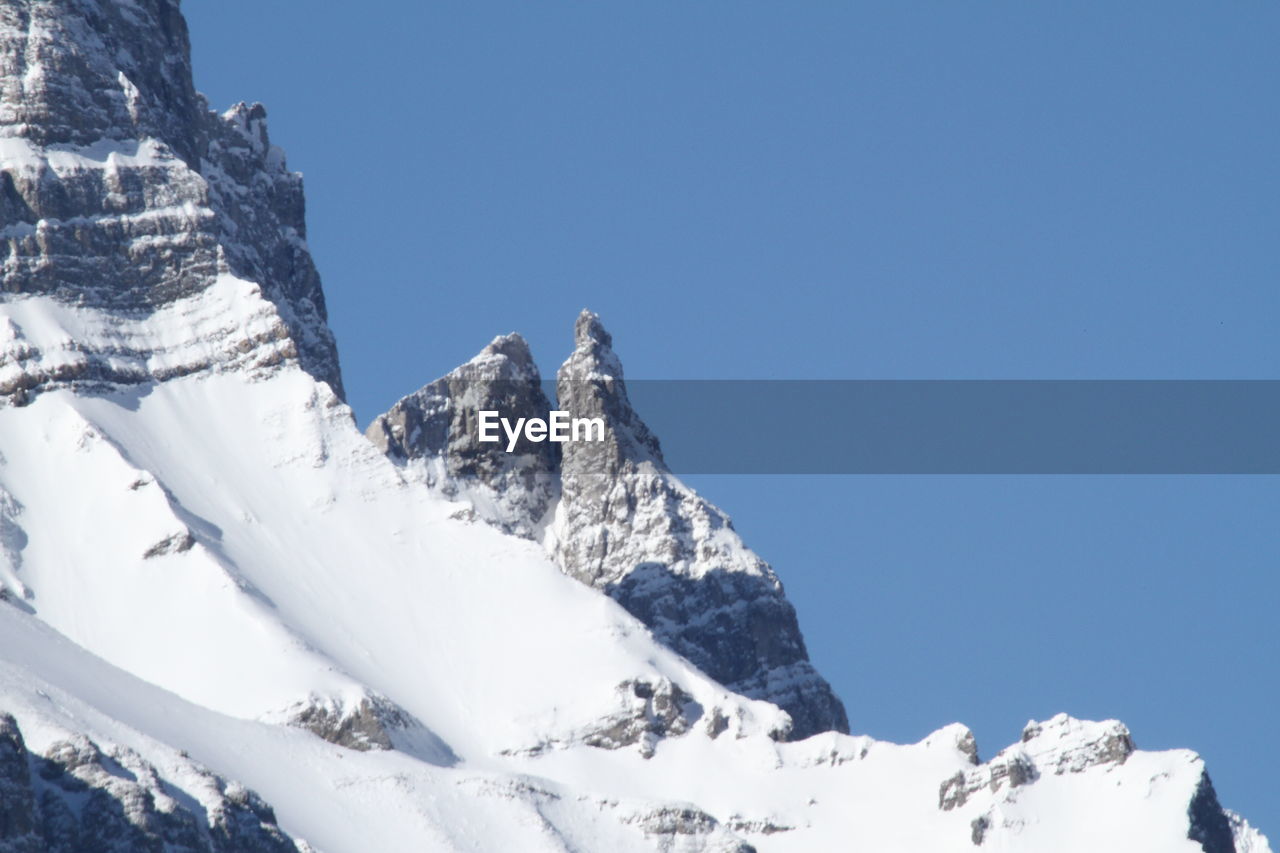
x=544, y=712
x=212, y=583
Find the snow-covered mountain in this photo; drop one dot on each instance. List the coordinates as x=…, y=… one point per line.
x=231, y=621
x=611, y=515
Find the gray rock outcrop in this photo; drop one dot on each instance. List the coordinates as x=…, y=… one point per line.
x=369, y=725
x=626, y=525
x=623, y=523
x=1065, y=746
x=122, y=193
x=1210, y=825
x=1058, y=746
x=653, y=710
x=434, y=432
x=20, y=825
x=78, y=799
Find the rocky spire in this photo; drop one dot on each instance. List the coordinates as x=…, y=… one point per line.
x=626, y=525
x=623, y=523
x=589, y=384
x=121, y=193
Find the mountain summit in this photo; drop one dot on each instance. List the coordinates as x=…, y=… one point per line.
x=230, y=622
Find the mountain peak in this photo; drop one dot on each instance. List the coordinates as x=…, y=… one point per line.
x=672, y=559
x=434, y=433
x=514, y=350
x=216, y=593
x=589, y=332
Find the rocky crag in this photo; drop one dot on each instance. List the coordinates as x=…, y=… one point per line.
x=435, y=431
x=200, y=554
x=75, y=798
x=613, y=516
x=1061, y=748
x=120, y=191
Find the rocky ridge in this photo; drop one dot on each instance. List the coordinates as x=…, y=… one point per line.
x=76, y=798
x=1065, y=747
x=150, y=242
x=613, y=515
x=149, y=237
x=1062, y=745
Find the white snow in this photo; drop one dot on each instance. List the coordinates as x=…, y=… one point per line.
x=18, y=153
x=227, y=326
x=290, y=562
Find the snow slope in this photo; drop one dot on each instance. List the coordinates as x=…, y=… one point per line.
x=219, y=550
x=210, y=578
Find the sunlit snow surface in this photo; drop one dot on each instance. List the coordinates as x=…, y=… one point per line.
x=189, y=562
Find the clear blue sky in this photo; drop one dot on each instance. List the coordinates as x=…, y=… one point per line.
x=848, y=190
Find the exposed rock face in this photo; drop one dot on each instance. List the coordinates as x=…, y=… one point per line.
x=146, y=238
x=435, y=429
x=978, y=829
x=61, y=62
x=666, y=827
x=121, y=194
x=590, y=384
x=698, y=830
x=649, y=709
x=367, y=726
x=1060, y=745
x=76, y=799
x=20, y=830
x=623, y=522
x=652, y=711
x=1064, y=746
x=1210, y=825
x=12, y=540
x=627, y=526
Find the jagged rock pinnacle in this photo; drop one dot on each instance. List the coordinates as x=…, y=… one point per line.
x=590, y=384
x=515, y=349
x=589, y=332
x=672, y=559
